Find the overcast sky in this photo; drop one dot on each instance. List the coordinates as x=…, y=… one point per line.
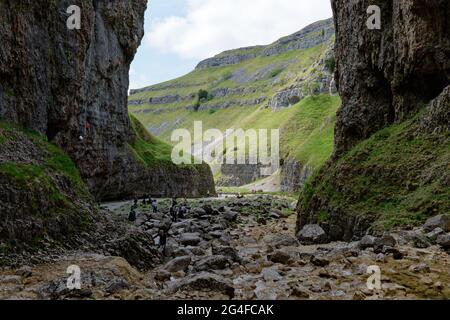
x=180, y=33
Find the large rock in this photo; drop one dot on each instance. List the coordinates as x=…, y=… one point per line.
x=444, y=241
x=440, y=221
x=178, y=264
x=228, y=252
x=281, y=240
x=216, y=262
x=367, y=241
x=205, y=282
x=312, y=234
x=279, y=256
x=190, y=239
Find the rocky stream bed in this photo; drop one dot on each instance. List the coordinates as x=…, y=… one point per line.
x=239, y=249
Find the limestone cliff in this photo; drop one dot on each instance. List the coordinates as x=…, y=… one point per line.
x=390, y=164
x=387, y=75
x=68, y=84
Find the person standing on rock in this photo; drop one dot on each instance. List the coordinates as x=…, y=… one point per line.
x=132, y=216
x=173, y=213
x=162, y=235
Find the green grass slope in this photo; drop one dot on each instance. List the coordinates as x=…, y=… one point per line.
x=306, y=128
x=397, y=177
x=41, y=190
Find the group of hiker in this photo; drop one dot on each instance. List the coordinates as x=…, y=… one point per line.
x=150, y=201
x=176, y=212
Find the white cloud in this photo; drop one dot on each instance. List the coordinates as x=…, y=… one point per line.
x=212, y=26
x=137, y=79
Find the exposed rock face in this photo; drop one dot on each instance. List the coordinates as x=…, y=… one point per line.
x=385, y=78
x=239, y=174
x=74, y=83
x=387, y=75
x=230, y=57
x=311, y=36
x=294, y=175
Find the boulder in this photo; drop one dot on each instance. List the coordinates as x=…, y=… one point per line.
x=312, y=234
x=196, y=251
x=208, y=209
x=190, y=239
x=180, y=252
x=216, y=262
x=25, y=271
x=432, y=235
x=367, y=241
x=199, y=212
x=384, y=241
x=420, y=241
x=117, y=285
x=419, y=268
x=205, y=282
x=319, y=261
x=230, y=216
x=217, y=234
x=444, y=241
x=270, y=274
x=279, y=256
x=440, y=221
x=281, y=240
x=228, y=252
x=178, y=264
x=162, y=275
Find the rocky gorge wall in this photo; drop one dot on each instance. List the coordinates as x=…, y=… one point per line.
x=391, y=138
x=387, y=75
x=70, y=83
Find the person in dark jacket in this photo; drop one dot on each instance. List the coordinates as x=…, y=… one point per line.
x=174, y=213
x=162, y=234
x=132, y=216
x=154, y=205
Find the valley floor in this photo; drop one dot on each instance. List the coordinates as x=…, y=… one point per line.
x=238, y=249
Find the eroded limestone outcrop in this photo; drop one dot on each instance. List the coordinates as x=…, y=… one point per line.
x=68, y=84
x=390, y=163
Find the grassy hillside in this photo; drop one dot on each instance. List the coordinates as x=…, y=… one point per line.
x=397, y=177
x=247, y=94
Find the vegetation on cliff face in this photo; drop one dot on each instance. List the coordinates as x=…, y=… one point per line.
x=397, y=177
x=148, y=148
x=390, y=165
x=26, y=172
x=41, y=190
